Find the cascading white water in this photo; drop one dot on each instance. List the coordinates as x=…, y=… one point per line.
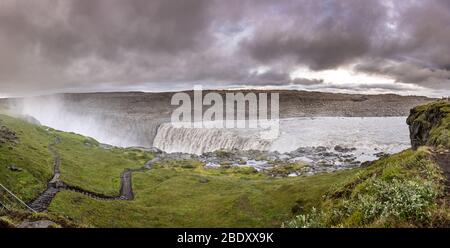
x=368, y=135
x=200, y=140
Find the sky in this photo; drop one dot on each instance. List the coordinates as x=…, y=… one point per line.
x=354, y=46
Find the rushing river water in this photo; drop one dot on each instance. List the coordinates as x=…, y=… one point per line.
x=367, y=135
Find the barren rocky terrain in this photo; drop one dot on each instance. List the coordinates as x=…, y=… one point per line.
x=292, y=103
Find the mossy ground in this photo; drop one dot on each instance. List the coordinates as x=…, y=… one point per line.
x=30, y=154
x=438, y=133
x=403, y=190
x=11, y=219
x=197, y=197
x=87, y=165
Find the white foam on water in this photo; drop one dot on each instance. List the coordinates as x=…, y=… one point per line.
x=199, y=140
x=369, y=135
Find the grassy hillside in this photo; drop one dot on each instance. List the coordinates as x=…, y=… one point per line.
x=26, y=164
x=403, y=190
x=13, y=218
x=197, y=197
x=28, y=153
x=87, y=165
x=430, y=124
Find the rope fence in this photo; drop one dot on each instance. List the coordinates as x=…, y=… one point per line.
x=8, y=200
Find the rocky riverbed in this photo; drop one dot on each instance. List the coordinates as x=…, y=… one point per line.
x=303, y=161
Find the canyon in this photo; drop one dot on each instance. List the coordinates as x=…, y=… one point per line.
x=133, y=118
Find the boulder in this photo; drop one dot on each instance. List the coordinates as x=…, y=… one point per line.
x=37, y=224
x=8, y=136
x=14, y=168
x=203, y=180
x=342, y=149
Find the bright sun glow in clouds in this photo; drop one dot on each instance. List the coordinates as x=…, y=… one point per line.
x=341, y=76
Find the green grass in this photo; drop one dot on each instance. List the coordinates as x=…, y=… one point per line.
x=30, y=154
x=84, y=163
x=11, y=219
x=180, y=197
x=434, y=119
x=87, y=165
x=402, y=190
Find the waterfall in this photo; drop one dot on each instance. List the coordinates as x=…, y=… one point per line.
x=122, y=123
x=369, y=135
x=201, y=140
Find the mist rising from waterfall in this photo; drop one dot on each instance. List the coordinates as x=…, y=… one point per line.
x=104, y=124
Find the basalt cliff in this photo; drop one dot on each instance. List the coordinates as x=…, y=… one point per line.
x=430, y=125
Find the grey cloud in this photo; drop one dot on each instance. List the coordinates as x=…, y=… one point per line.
x=408, y=73
x=70, y=45
x=386, y=87
x=324, y=35
x=307, y=82
x=319, y=34
x=274, y=77
x=59, y=43
x=269, y=77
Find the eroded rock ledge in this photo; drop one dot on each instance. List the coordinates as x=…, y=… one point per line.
x=430, y=125
x=7, y=135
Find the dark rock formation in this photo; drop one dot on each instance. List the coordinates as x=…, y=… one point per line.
x=7, y=136
x=381, y=154
x=37, y=224
x=430, y=124
x=14, y=168
x=340, y=148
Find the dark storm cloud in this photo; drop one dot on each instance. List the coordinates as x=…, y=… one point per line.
x=71, y=45
x=269, y=77
x=280, y=78
x=329, y=34
x=307, y=82
x=63, y=42
x=409, y=73
x=320, y=34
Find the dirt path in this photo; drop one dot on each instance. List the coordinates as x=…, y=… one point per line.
x=126, y=186
x=42, y=202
